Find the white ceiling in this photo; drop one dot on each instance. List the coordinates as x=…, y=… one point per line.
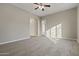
x=55, y=7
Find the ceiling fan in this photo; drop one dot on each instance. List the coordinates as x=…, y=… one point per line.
x=41, y=6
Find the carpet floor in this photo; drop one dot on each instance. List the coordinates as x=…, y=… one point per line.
x=40, y=46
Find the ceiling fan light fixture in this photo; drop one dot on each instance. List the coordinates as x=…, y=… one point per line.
x=41, y=6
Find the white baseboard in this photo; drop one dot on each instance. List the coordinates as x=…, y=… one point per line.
x=70, y=38
x=15, y=40
x=64, y=38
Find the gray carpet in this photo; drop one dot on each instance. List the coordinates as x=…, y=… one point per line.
x=40, y=46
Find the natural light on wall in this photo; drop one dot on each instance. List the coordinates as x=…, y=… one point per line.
x=48, y=33
x=59, y=31
x=55, y=32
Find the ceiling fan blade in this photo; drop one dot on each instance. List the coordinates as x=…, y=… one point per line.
x=47, y=5
x=36, y=3
x=36, y=8
x=42, y=9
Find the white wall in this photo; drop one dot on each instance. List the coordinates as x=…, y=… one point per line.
x=78, y=24
x=14, y=23
x=67, y=18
